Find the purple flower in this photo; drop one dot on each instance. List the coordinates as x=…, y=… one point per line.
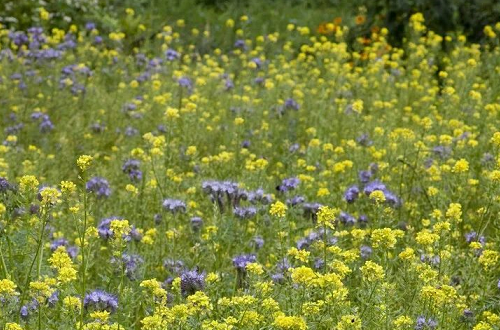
x=57, y=243
x=98, y=186
x=196, y=223
x=257, y=61
x=89, y=26
x=365, y=251
x=29, y=308
x=174, y=205
x=473, y=236
x=310, y=209
x=364, y=176
x=132, y=168
x=390, y=197
x=185, y=82
x=372, y=186
x=245, y=212
x=364, y=140
x=174, y=266
x=295, y=200
x=105, y=232
x=240, y=43
x=291, y=104
x=288, y=184
x=431, y=260
x=423, y=323
x=4, y=185
x=53, y=299
x=294, y=147
x=351, y=194
x=259, y=196
x=257, y=242
x=240, y=262
x=192, y=281
x=362, y=220
x=171, y=55
x=97, y=128
x=346, y=219
x=130, y=262
x=441, y=151
x=99, y=300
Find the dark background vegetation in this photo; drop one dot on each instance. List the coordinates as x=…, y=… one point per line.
x=442, y=16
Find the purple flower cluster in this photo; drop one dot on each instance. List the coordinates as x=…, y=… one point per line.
x=5, y=185
x=174, y=205
x=100, y=300
x=196, y=223
x=99, y=186
x=240, y=262
x=105, y=232
x=228, y=194
x=425, y=323
x=305, y=242
x=192, y=281
x=130, y=263
x=352, y=192
x=245, y=212
x=171, y=55
x=45, y=125
x=132, y=168
x=71, y=250
x=288, y=184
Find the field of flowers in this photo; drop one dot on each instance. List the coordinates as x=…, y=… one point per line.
x=286, y=181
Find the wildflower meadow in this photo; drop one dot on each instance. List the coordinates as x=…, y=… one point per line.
x=209, y=177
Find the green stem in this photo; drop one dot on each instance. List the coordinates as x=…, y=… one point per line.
x=4, y=266
x=83, y=267
x=28, y=275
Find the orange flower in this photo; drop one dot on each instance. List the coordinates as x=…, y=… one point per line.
x=360, y=19
x=337, y=20
x=322, y=28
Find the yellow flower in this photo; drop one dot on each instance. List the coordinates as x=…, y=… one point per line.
x=153, y=322
x=385, y=238
x=349, y=322
x=402, y=322
x=101, y=316
x=454, y=212
x=67, y=187
x=461, y=166
x=372, y=271
x=50, y=196
x=326, y=216
x=495, y=140
x=255, y=268
x=290, y=323
x=303, y=275
x=13, y=326
x=84, y=162
x=119, y=228
x=489, y=259
x=71, y=303
x=278, y=209
x=7, y=288
x=191, y=150
x=28, y=182
x=378, y=196
x=172, y=113
x=44, y=14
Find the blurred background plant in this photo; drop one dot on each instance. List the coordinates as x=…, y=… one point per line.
x=265, y=16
